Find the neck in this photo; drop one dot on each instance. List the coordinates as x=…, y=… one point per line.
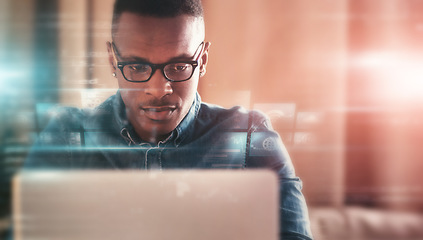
x=153, y=139
x=149, y=136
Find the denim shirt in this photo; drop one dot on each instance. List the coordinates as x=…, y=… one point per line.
x=208, y=137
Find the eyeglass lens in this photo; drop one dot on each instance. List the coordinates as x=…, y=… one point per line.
x=172, y=71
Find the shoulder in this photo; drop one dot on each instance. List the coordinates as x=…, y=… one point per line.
x=265, y=148
x=236, y=117
x=103, y=116
x=70, y=118
x=61, y=118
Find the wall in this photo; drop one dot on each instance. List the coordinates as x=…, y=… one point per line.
x=384, y=129
x=85, y=27
x=287, y=58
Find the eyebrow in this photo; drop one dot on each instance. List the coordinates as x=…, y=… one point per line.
x=181, y=57
x=131, y=58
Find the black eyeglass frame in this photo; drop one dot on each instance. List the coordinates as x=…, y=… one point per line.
x=154, y=67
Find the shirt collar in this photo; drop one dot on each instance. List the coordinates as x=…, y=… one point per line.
x=119, y=111
x=186, y=127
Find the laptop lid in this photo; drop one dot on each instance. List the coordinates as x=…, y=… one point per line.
x=153, y=205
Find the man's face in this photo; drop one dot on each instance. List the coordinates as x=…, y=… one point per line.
x=156, y=107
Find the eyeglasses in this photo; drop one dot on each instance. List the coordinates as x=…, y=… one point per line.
x=174, y=71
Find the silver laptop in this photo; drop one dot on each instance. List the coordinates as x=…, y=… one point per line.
x=152, y=205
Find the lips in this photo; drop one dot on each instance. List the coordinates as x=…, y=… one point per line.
x=158, y=113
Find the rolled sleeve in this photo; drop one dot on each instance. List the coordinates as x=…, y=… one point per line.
x=293, y=210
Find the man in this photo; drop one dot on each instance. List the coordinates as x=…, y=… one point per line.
x=157, y=120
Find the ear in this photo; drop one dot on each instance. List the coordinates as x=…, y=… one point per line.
x=204, y=58
x=110, y=57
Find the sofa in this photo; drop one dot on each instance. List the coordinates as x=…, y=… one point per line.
x=359, y=223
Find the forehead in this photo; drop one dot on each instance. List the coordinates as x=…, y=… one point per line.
x=156, y=39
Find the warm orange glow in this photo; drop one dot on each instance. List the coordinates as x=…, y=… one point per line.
x=394, y=76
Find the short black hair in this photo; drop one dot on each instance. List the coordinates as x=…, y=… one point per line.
x=157, y=8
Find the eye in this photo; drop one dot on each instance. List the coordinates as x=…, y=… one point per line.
x=140, y=68
x=179, y=67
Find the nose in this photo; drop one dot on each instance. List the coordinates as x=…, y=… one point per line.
x=158, y=86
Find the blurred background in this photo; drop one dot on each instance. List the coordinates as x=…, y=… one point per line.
x=341, y=80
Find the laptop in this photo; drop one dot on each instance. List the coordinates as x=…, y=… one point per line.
x=152, y=205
